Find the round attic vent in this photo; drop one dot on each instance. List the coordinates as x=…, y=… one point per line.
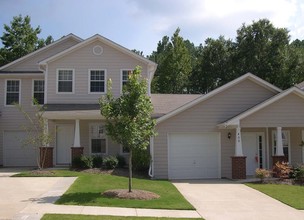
x=97, y=50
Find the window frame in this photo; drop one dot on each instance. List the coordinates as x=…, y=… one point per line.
x=73, y=81
x=90, y=140
x=89, y=81
x=5, y=92
x=121, y=78
x=33, y=91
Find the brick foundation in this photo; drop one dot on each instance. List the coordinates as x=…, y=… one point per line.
x=46, y=157
x=238, y=167
x=76, y=152
x=276, y=159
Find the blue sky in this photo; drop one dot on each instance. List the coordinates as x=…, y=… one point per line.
x=140, y=24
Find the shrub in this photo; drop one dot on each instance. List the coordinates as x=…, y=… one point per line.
x=77, y=163
x=141, y=160
x=121, y=161
x=281, y=170
x=298, y=173
x=110, y=162
x=97, y=161
x=262, y=174
x=87, y=161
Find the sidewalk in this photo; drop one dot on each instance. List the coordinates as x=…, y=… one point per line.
x=44, y=204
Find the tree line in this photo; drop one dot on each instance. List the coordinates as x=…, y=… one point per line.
x=259, y=48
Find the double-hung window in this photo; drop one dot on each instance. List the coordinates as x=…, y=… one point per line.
x=125, y=77
x=97, y=81
x=65, y=79
x=98, y=139
x=12, y=92
x=38, y=91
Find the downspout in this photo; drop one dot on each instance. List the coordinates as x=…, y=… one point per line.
x=151, y=167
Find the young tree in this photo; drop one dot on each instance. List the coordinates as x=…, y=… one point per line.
x=37, y=136
x=19, y=39
x=128, y=117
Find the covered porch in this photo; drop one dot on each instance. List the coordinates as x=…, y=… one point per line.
x=269, y=132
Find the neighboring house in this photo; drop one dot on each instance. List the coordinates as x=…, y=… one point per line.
x=228, y=132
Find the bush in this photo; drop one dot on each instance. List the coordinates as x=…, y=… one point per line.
x=141, y=159
x=110, y=162
x=262, y=174
x=298, y=173
x=97, y=161
x=282, y=170
x=87, y=161
x=121, y=161
x=77, y=163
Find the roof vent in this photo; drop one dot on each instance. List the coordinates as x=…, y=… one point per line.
x=97, y=50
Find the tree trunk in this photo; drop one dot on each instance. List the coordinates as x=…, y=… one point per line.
x=130, y=170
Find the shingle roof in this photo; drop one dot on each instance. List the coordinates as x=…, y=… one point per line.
x=162, y=103
x=300, y=85
x=165, y=103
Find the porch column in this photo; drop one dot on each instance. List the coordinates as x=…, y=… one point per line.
x=238, y=160
x=279, y=155
x=76, y=150
x=45, y=151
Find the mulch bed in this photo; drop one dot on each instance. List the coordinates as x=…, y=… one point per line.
x=43, y=172
x=135, y=194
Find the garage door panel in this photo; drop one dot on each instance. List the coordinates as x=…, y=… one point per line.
x=14, y=152
x=193, y=155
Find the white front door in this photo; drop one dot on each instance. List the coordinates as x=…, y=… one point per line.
x=64, y=142
x=254, y=150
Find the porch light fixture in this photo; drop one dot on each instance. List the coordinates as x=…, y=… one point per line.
x=229, y=135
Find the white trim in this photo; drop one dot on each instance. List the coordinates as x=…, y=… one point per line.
x=103, y=40
x=42, y=49
x=249, y=76
x=105, y=81
x=90, y=140
x=267, y=149
x=289, y=146
x=46, y=84
x=73, y=114
x=20, y=75
x=73, y=80
x=5, y=91
x=33, y=86
x=234, y=121
x=120, y=81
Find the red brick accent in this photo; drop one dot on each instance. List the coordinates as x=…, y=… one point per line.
x=276, y=159
x=238, y=167
x=76, y=152
x=46, y=157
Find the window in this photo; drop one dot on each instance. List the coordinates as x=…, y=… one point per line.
x=98, y=139
x=39, y=91
x=97, y=81
x=124, y=150
x=65, y=81
x=125, y=77
x=12, y=92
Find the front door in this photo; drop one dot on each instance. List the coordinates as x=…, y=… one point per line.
x=253, y=149
x=64, y=142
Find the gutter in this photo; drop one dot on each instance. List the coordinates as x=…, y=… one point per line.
x=151, y=167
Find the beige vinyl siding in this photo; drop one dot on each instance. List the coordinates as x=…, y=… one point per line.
x=82, y=60
x=286, y=112
x=11, y=118
x=31, y=63
x=204, y=117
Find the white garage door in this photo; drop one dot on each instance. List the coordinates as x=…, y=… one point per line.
x=194, y=155
x=14, y=153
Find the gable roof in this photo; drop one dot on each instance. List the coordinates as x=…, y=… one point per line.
x=40, y=50
x=300, y=85
x=235, y=120
x=165, y=103
x=103, y=40
x=246, y=76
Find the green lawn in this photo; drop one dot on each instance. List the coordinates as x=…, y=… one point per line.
x=90, y=217
x=288, y=194
x=87, y=190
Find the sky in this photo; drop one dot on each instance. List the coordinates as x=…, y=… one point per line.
x=141, y=24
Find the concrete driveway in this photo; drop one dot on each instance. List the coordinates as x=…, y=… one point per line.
x=224, y=199
x=18, y=193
